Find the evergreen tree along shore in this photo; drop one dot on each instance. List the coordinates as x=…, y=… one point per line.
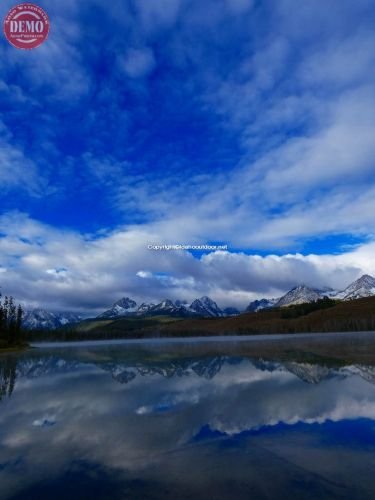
x=11, y=333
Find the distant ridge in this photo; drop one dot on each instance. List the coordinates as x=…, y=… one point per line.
x=360, y=288
x=203, y=307
x=258, y=305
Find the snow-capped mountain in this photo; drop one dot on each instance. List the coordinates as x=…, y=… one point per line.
x=166, y=305
x=128, y=307
x=257, y=305
x=67, y=318
x=199, y=307
x=206, y=307
x=170, y=308
x=122, y=307
x=40, y=319
x=299, y=295
x=203, y=307
x=362, y=287
x=144, y=308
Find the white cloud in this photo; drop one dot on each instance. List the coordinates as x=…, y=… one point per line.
x=342, y=151
x=341, y=64
x=144, y=274
x=67, y=270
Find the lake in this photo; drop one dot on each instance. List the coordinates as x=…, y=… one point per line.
x=260, y=418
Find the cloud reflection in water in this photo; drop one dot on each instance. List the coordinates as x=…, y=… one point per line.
x=185, y=424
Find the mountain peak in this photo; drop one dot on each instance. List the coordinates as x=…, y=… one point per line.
x=206, y=307
x=122, y=307
x=362, y=287
x=206, y=300
x=126, y=303
x=301, y=287
x=298, y=295
x=167, y=303
x=366, y=279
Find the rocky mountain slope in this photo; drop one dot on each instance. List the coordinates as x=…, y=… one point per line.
x=46, y=320
x=122, y=307
x=298, y=295
x=362, y=287
x=206, y=307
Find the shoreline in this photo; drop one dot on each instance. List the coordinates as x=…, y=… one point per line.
x=15, y=349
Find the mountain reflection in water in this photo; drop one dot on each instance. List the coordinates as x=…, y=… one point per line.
x=151, y=422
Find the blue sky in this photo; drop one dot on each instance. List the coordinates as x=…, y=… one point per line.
x=242, y=122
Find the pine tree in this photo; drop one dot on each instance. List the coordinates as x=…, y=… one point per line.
x=19, y=317
x=12, y=316
x=10, y=321
x=5, y=313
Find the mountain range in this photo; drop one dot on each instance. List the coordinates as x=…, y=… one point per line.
x=360, y=288
x=46, y=320
x=202, y=307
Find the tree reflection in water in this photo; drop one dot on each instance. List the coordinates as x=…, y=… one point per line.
x=8, y=366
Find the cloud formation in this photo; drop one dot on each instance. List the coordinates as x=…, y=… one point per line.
x=184, y=122
x=43, y=266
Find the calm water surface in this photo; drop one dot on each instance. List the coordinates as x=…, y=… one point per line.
x=189, y=420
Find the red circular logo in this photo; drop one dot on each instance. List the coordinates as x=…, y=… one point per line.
x=26, y=26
